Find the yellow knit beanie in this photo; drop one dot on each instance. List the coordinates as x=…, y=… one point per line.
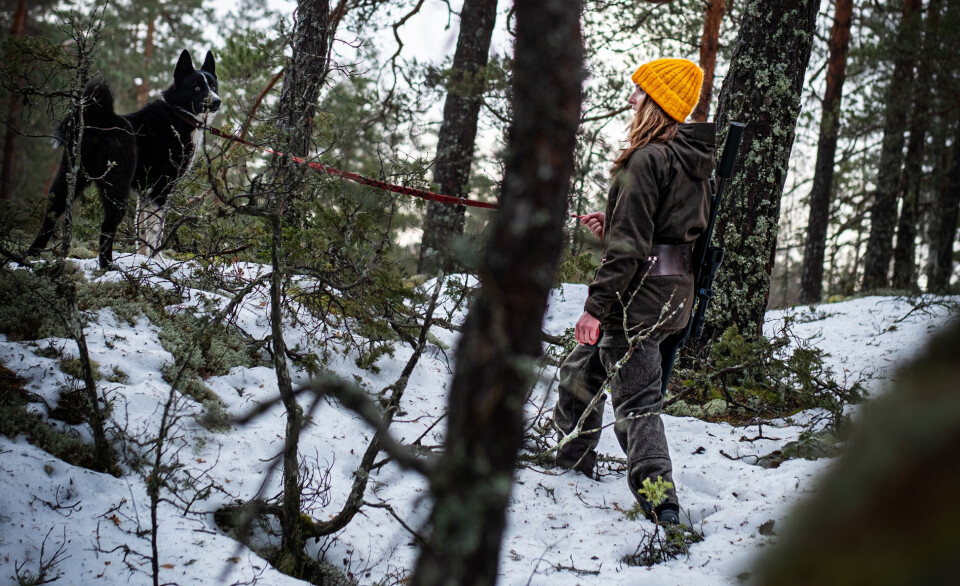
x=674, y=84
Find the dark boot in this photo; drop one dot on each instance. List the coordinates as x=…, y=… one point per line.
x=665, y=514
x=668, y=514
x=585, y=464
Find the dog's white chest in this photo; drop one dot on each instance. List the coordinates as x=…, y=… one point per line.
x=196, y=137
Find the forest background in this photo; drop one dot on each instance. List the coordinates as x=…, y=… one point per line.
x=887, y=69
x=847, y=184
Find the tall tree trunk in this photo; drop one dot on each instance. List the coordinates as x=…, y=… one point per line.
x=458, y=132
x=501, y=336
x=762, y=90
x=303, y=79
x=883, y=213
x=811, y=275
x=297, y=106
x=709, y=46
x=904, y=253
x=944, y=233
x=143, y=92
x=13, y=112
x=65, y=286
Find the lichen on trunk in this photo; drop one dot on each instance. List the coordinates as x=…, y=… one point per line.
x=761, y=90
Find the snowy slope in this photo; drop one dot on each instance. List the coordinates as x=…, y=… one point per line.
x=563, y=528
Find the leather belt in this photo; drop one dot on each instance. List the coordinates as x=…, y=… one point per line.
x=668, y=260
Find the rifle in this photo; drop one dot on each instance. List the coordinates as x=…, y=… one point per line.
x=706, y=258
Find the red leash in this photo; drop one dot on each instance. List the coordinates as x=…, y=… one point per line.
x=412, y=191
x=422, y=193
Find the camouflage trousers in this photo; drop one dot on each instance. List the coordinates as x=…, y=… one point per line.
x=635, y=391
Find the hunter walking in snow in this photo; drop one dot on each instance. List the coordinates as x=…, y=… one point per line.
x=657, y=206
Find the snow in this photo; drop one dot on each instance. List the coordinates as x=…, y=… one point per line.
x=563, y=528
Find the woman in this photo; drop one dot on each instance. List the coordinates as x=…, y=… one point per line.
x=656, y=208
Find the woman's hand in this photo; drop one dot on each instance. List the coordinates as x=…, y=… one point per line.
x=594, y=222
x=587, y=330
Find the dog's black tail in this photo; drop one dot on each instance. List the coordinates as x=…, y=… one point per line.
x=98, y=112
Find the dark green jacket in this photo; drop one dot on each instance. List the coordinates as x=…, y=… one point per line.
x=661, y=196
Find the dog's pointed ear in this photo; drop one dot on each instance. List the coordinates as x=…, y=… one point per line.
x=184, y=66
x=209, y=65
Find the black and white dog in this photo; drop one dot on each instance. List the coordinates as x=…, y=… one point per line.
x=150, y=150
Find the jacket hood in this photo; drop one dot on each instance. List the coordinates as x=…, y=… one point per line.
x=694, y=147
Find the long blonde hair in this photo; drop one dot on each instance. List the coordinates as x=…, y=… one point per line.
x=650, y=124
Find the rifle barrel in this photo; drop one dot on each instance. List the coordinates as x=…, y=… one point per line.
x=729, y=158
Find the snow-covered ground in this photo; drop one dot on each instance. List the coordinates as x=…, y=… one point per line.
x=563, y=528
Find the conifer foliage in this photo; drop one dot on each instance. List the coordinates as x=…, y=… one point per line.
x=336, y=268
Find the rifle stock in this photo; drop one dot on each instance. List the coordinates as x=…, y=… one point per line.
x=707, y=260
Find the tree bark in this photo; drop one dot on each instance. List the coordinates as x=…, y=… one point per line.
x=811, y=276
x=709, y=46
x=298, y=103
x=13, y=112
x=143, y=92
x=502, y=334
x=65, y=287
x=458, y=133
x=303, y=79
x=883, y=213
x=944, y=232
x=904, y=253
x=762, y=90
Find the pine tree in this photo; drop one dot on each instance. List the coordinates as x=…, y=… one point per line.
x=709, y=47
x=811, y=280
x=883, y=212
x=26, y=40
x=502, y=336
x=13, y=111
x=762, y=90
x=904, y=252
x=943, y=233
x=458, y=132
x=295, y=121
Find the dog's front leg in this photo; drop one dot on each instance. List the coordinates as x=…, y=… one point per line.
x=149, y=225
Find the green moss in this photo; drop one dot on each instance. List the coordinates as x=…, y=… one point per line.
x=745, y=378
x=215, y=418
x=74, y=368
x=577, y=269
x=117, y=375
x=31, y=310
x=49, y=351
x=71, y=406
x=208, y=349
x=16, y=420
x=684, y=409
x=26, y=310
x=188, y=383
